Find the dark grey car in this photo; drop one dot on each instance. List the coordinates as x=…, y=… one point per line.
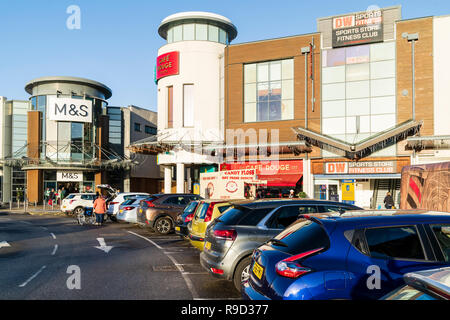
x=231, y=238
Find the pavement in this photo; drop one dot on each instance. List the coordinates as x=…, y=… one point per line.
x=45, y=255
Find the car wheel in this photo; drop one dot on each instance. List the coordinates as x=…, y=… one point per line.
x=112, y=218
x=163, y=225
x=77, y=211
x=242, y=273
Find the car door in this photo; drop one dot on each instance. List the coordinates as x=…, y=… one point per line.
x=380, y=256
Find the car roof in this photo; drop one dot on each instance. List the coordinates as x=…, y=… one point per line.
x=276, y=202
x=128, y=193
x=435, y=281
x=82, y=194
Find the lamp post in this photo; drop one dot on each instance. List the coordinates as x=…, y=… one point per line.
x=412, y=37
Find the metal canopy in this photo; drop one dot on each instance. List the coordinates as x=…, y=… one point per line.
x=428, y=142
x=295, y=147
x=363, y=148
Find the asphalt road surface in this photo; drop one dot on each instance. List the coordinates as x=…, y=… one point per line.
x=52, y=257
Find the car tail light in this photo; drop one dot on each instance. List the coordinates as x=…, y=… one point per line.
x=149, y=203
x=128, y=208
x=71, y=201
x=209, y=212
x=290, y=268
x=217, y=271
x=113, y=203
x=189, y=217
x=229, y=235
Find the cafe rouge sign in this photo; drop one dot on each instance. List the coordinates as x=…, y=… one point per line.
x=68, y=109
x=167, y=64
x=362, y=167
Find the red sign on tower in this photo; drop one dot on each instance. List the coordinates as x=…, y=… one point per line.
x=167, y=64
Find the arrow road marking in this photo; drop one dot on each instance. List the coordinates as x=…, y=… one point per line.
x=4, y=244
x=103, y=245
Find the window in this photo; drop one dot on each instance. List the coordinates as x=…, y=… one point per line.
x=394, y=242
x=176, y=201
x=269, y=91
x=284, y=216
x=442, y=233
x=201, y=212
x=188, y=105
x=150, y=130
x=137, y=127
x=170, y=107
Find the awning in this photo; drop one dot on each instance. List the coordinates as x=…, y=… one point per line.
x=281, y=180
x=363, y=148
x=295, y=147
x=357, y=177
x=428, y=142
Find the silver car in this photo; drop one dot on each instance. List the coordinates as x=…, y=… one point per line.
x=431, y=284
x=128, y=210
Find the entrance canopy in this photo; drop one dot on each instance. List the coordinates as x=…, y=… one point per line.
x=363, y=148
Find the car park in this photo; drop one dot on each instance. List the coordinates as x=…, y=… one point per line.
x=75, y=203
x=184, y=218
x=423, y=285
x=128, y=210
x=206, y=212
x=159, y=212
x=231, y=239
x=356, y=255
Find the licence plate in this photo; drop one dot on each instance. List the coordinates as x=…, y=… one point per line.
x=207, y=245
x=140, y=210
x=177, y=228
x=258, y=270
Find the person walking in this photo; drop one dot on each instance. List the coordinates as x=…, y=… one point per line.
x=46, y=194
x=63, y=193
x=51, y=197
x=99, y=210
x=388, y=201
x=291, y=194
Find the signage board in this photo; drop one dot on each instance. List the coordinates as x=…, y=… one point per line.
x=348, y=191
x=69, y=176
x=360, y=167
x=358, y=28
x=228, y=184
x=167, y=64
x=69, y=109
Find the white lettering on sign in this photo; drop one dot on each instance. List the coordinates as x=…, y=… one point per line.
x=66, y=176
x=67, y=109
x=336, y=167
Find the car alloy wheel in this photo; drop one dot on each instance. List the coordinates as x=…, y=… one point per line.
x=245, y=274
x=242, y=273
x=163, y=225
x=78, y=210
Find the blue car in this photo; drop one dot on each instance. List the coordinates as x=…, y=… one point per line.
x=357, y=255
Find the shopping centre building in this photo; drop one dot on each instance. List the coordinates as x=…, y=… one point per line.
x=67, y=136
x=336, y=113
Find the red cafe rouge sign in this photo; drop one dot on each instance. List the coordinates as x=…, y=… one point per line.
x=167, y=64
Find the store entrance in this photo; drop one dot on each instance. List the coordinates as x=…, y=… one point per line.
x=70, y=187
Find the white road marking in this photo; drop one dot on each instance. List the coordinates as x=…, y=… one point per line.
x=32, y=277
x=4, y=244
x=53, y=235
x=179, y=267
x=103, y=245
x=54, y=250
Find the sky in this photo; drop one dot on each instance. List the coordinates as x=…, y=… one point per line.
x=117, y=42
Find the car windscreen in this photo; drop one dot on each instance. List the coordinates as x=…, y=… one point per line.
x=201, y=211
x=243, y=216
x=302, y=236
x=190, y=207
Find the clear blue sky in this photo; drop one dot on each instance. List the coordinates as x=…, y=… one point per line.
x=118, y=40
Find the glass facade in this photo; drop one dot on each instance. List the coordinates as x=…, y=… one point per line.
x=196, y=31
x=115, y=129
x=359, y=93
x=269, y=91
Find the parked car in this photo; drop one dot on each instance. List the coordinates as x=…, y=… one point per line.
x=358, y=255
x=423, y=285
x=231, y=239
x=207, y=211
x=160, y=211
x=184, y=218
x=128, y=209
x=113, y=205
x=75, y=203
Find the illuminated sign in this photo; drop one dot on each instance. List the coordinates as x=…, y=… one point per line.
x=167, y=64
x=360, y=167
x=359, y=28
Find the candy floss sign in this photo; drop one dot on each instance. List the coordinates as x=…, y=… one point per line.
x=167, y=64
x=225, y=184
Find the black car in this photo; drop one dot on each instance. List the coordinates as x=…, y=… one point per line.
x=182, y=220
x=231, y=238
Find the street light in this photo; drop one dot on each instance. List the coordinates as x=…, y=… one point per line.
x=412, y=37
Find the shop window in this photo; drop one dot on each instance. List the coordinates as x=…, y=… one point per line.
x=213, y=33
x=188, y=105
x=177, y=33
x=189, y=31
x=268, y=92
x=201, y=32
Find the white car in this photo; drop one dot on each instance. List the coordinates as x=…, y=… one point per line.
x=76, y=202
x=114, y=204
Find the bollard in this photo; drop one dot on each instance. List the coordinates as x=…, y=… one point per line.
x=10, y=205
x=18, y=204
